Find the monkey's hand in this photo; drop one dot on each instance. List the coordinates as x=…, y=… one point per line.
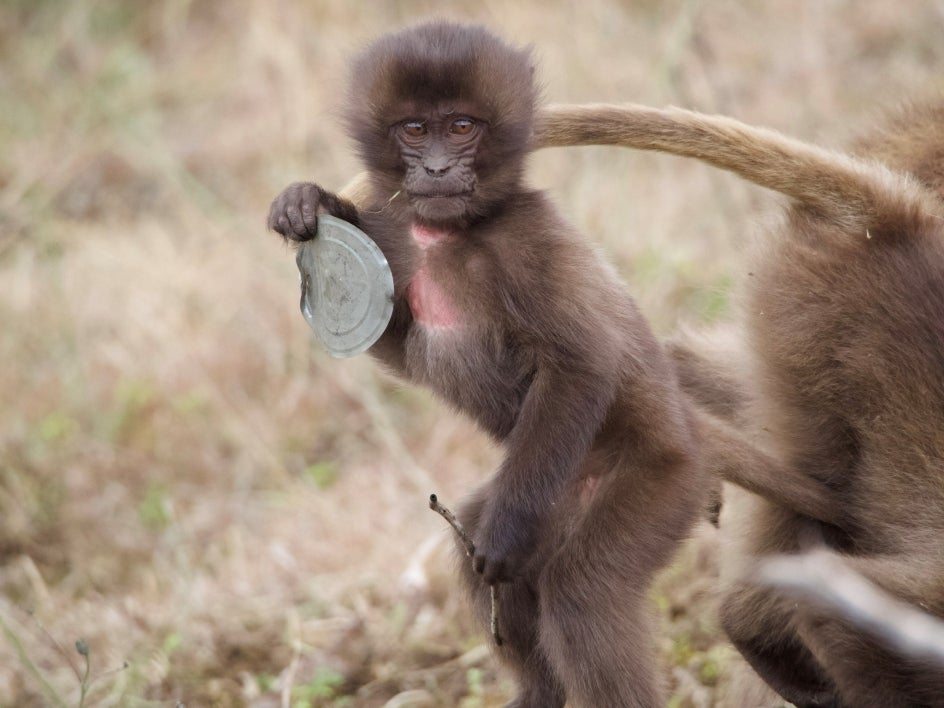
x=504, y=542
x=294, y=213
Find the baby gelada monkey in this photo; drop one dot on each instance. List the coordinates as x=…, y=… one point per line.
x=506, y=313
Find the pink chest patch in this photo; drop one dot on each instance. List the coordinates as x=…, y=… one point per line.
x=426, y=236
x=428, y=302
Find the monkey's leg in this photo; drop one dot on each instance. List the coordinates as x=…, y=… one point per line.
x=866, y=670
x=730, y=457
x=721, y=404
x=759, y=621
x=797, y=646
x=762, y=627
x=595, y=623
x=517, y=622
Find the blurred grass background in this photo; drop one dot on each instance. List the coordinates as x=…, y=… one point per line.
x=222, y=513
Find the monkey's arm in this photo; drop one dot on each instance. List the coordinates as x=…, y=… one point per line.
x=574, y=383
x=851, y=192
x=560, y=416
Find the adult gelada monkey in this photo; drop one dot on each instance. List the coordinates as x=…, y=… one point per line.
x=506, y=313
x=844, y=317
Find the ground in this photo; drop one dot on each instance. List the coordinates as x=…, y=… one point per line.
x=215, y=510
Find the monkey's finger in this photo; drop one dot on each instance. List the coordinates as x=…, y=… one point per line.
x=273, y=223
x=478, y=563
x=309, y=212
x=293, y=213
x=493, y=572
x=303, y=209
x=279, y=220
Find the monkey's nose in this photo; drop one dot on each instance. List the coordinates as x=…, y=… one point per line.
x=436, y=171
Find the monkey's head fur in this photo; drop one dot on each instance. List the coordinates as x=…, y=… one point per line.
x=443, y=112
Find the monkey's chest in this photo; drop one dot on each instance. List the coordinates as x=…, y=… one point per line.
x=451, y=348
x=474, y=368
x=429, y=302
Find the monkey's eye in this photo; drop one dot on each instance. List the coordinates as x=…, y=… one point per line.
x=414, y=129
x=462, y=126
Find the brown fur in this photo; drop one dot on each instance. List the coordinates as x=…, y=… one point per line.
x=845, y=327
x=600, y=480
x=910, y=140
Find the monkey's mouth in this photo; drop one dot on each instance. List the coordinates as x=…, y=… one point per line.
x=442, y=206
x=441, y=195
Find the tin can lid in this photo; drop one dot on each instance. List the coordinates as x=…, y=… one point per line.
x=347, y=287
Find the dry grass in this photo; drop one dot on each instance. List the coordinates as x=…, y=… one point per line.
x=186, y=483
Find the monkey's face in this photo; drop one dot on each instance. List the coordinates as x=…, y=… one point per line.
x=443, y=113
x=437, y=149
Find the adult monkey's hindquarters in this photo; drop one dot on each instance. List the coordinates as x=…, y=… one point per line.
x=846, y=397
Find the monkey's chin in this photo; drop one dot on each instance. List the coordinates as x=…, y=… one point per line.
x=441, y=208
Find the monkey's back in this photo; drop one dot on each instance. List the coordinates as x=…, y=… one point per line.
x=911, y=140
x=849, y=332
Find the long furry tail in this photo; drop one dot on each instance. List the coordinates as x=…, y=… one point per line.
x=853, y=193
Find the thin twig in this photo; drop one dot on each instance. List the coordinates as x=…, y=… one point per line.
x=454, y=522
x=493, y=625
x=386, y=204
x=470, y=551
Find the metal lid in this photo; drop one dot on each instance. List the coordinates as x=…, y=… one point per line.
x=347, y=287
